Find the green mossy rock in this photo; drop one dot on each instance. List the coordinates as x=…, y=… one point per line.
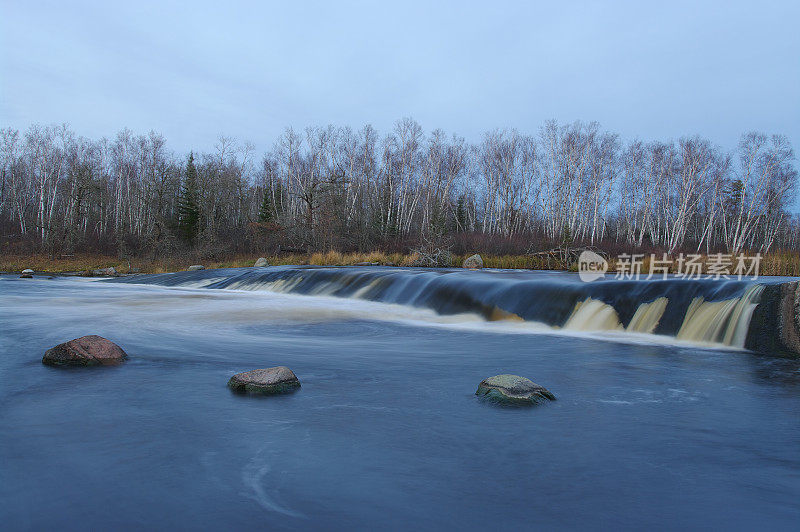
x=513, y=390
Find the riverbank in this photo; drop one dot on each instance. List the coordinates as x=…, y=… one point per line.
x=779, y=263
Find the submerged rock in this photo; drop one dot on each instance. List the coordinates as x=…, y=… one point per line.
x=513, y=389
x=473, y=262
x=261, y=263
x=495, y=313
x=196, y=267
x=26, y=274
x=85, y=351
x=269, y=381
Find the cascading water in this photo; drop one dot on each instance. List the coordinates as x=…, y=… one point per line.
x=593, y=315
x=647, y=316
x=700, y=311
x=724, y=322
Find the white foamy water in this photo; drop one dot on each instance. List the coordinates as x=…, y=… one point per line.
x=192, y=305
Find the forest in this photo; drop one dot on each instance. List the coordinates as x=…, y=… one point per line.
x=339, y=189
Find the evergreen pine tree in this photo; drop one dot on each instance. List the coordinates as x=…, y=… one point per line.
x=188, y=206
x=267, y=212
x=438, y=223
x=735, y=193
x=461, y=214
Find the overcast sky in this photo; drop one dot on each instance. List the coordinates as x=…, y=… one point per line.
x=195, y=70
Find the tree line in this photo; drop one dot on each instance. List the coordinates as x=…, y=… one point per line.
x=337, y=188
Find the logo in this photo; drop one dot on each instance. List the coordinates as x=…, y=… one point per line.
x=591, y=266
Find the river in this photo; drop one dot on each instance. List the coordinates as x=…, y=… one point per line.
x=657, y=425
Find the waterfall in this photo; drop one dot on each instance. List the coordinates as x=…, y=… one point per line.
x=703, y=311
x=593, y=315
x=647, y=316
x=724, y=322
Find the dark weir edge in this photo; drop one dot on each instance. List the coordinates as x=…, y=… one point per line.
x=774, y=328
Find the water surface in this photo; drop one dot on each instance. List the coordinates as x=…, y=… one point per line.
x=385, y=431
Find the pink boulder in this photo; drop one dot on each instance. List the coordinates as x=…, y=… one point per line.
x=85, y=351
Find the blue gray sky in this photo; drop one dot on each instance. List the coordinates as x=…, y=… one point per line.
x=195, y=70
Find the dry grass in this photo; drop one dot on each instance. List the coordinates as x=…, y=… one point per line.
x=16, y=263
x=335, y=258
x=781, y=263
x=778, y=263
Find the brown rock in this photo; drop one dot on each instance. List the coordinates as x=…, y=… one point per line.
x=85, y=351
x=267, y=381
x=775, y=323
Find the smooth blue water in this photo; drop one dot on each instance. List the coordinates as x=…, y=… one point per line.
x=386, y=432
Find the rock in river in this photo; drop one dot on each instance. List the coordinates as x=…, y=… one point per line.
x=513, y=389
x=261, y=263
x=26, y=274
x=267, y=381
x=775, y=324
x=473, y=262
x=85, y=351
x=196, y=267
